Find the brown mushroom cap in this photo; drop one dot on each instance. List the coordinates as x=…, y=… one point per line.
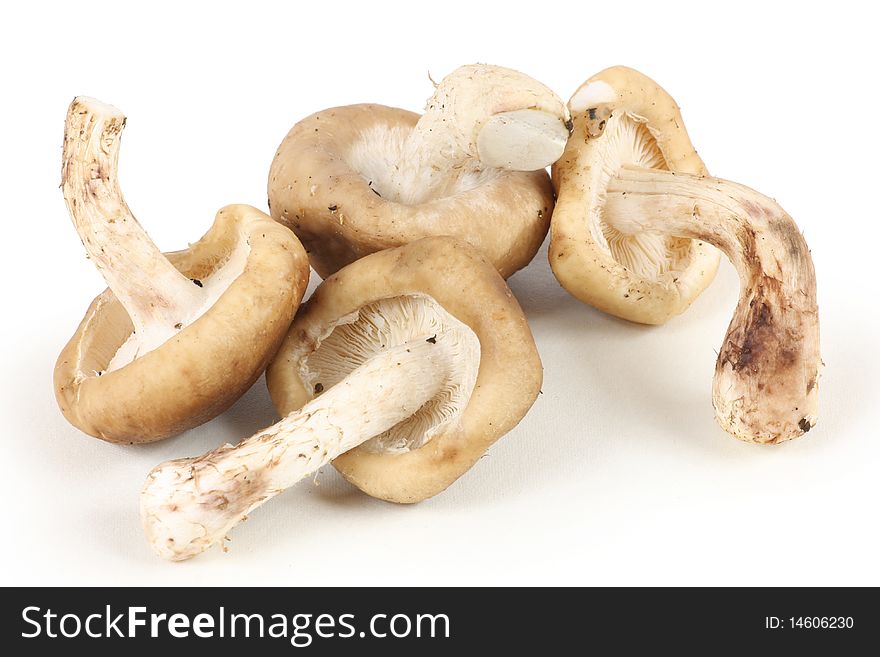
x=202, y=370
x=466, y=286
x=316, y=191
x=615, y=106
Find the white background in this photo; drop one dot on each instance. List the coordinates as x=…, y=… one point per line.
x=619, y=474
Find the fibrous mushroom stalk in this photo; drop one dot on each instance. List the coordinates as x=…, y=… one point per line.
x=159, y=299
x=479, y=120
x=765, y=386
x=188, y=505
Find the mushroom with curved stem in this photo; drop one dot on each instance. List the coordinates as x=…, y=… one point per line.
x=395, y=371
x=630, y=175
x=176, y=338
x=353, y=180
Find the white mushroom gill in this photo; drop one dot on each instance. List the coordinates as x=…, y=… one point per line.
x=188, y=505
x=159, y=300
x=480, y=120
x=627, y=141
x=381, y=325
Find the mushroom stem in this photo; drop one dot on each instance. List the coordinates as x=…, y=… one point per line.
x=765, y=385
x=480, y=117
x=188, y=505
x=156, y=296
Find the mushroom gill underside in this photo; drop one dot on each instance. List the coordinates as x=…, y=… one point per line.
x=374, y=328
x=627, y=141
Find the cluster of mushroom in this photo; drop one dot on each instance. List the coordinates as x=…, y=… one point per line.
x=413, y=356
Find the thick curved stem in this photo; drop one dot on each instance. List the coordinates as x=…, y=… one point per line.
x=188, y=505
x=481, y=117
x=156, y=296
x=765, y=386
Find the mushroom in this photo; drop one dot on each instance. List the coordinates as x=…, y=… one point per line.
x=404, y=366
x=622, y=118
x=176, y=338
x=765, y=384
x=354, y=180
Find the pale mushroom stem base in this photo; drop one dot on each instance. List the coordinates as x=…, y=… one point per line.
x=480, y=119
x=765, y=386
x=188, y=505
x=156, y=296
x=433, y=162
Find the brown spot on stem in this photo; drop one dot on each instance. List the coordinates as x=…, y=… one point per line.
x=790, y=235
x=752, y=208
x=755, y=334
x=757, y=338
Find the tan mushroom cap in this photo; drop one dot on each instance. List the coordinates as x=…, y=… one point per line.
x=202, y=370
x=466, y=286
x=617, y=105
x=332, y=208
